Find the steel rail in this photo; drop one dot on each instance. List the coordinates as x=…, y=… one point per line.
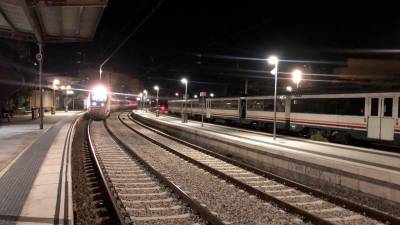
x=122, y=214
x=260, y=194
x=362, y=209
x=194, y=204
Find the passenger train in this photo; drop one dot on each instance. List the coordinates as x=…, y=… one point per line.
x=339, y=117
x=102, y=102
x=99, y=105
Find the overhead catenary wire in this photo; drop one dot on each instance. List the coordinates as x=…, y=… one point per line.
x=142, y=22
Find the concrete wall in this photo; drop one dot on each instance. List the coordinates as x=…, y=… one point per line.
x=310, y=174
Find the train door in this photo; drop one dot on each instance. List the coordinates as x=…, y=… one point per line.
x=380, y=120
x=242, y=108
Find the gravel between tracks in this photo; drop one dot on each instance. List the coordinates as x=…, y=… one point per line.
x=145, y=199
x=291, y=195
x=229, y=202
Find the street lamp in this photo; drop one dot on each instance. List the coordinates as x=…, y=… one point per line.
x=55, y=83
x=141, y=101
x=71, y=92
x=67, y=92
x=144, y=99
x=195, y=96
x=184, y=116
x=157, y=110
x=100, y=72
x=297, y=76
x=273, y=60
x=212, y=95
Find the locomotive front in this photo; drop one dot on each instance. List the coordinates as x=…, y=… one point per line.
x=99, y=103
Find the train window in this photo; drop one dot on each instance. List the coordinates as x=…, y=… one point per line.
x=374, y=106
x=387, y=106
x=265, y=105
x=225, y=104
x=255, y=105
x=335, y=106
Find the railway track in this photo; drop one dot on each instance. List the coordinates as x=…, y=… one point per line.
x=313, y=205
x=140, y=194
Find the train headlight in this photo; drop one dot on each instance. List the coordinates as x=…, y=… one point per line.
x=99, y=93
x=94, y=103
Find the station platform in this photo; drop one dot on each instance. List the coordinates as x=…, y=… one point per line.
x=35, y=173
x=373, y=172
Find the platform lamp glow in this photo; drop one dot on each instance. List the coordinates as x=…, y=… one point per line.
x=297, y=76
x=212, y=95
x=55, y=83
x=157, y=106
x=273, y=60
x=195, y=96
x=184, y=115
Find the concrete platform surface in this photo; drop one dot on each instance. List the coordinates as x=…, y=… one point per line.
x=35, y=185
x=367, y=170
x=22, y=131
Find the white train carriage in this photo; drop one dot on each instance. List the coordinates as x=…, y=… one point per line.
x=261, y=110
x=225, y=108
x=361, y=115
x=193, y=107
x=339, y=116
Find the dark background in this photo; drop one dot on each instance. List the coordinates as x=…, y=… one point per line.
x=184, y=38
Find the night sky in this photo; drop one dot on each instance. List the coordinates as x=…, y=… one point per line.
x=188, y=38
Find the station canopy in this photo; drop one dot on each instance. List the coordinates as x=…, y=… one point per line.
x=50, y=21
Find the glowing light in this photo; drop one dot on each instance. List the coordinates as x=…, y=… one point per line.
x=68, y=87
x=99, y=93
x=177, y=94
x=184, y=81
x=289, y=88
x=273, y=60
x=195, y=96
x=156, y=88
x=297, y=76
x=70, y=92
x=56, y=82
x=62, y=87
x=212, y=95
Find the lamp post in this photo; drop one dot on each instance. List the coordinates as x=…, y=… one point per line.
x=157, y=106
x=145, y=99
x=55, y=83
x=184, y=115
x=71, y=92
x=141, y=100
x=273, y=60
x=297, y=76
x=67, y=90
